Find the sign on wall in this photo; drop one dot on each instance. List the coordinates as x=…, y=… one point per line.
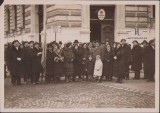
x=101, y=14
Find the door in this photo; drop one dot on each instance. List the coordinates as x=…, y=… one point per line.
x=107, y=32
x=102, y=29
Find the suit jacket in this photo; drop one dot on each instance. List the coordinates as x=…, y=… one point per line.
x=15, y=64
x=136, y=58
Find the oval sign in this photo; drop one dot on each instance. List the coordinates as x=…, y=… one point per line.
x=101, y=14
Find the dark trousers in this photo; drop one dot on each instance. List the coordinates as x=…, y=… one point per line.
x=119, y=79
x=48, y=78
x=26, y=77
x=56, y=78
x=151, y=75
x=126, y=71
x=68, y=78
x=137, y=74
x=77, y=71
x=145, y=70
x=108, y=71
x=16, y=79
x=36, y=77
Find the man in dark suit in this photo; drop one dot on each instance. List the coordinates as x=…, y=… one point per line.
x=126, y=57
x=17, y=56
x=136, y=59
x=37, y=68
x=151, y=60
x=144, y=58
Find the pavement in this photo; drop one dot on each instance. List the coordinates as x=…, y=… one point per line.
x=81, y=94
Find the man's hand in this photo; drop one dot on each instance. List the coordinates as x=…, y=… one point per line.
x=19, y=59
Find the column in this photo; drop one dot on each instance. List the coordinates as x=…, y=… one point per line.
x=119, y=22
x=32, y=35
x=43, y=33
x=85, y=32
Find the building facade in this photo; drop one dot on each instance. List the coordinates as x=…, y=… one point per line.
x=79, y=21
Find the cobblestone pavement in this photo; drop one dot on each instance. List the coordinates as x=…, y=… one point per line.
x=84, y=94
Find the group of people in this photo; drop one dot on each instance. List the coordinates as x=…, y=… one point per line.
x=79, y=61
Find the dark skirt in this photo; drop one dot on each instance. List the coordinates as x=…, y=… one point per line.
x=58, y=68
x=68, y=68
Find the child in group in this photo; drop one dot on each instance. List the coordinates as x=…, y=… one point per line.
x=98, y=68
x=90, y=67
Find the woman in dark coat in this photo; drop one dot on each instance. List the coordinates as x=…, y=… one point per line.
x=151, y=61
x=26, y=61
x=119, y=61
x=68, y=62
x=115, y=66
x=90, y=67
x=37, y=68
x=57, y=63
x=49, y=63
x=77, y=61
x=108, y=63
x=22, y=69
x=16, y=62
x=136, y=59
x=90, y=49
x=84, y=60
x=144, y=58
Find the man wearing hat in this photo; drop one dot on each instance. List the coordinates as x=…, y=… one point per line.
x=136, y=59
x=30, y=49
x=151, y=61
x=126, y=58
x=144, y=57
x=37, y=68
x=26, y=62
x=75, y=42
x=49, y=62
x=16, y=56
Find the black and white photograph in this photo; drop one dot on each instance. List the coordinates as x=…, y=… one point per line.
x=81, y=56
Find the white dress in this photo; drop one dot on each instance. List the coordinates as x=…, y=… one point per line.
x=98, y=68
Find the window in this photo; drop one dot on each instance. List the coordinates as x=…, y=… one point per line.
x=8, y=20
x=15, y=16
x=23, y=16
x=137, y=16
x=153, y=11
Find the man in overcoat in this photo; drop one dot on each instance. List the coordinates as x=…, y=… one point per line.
x=144, y=58
x=30, y=50
x=151, y=61
x=37, y=68
x=136, y=59
x=17, y=56
x=126, y=57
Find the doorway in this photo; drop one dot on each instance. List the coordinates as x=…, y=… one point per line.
x=102, y=29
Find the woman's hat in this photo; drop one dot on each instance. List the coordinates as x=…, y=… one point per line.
x=151, y=41
x=25, y=42
x=76, y=41
x=144, y=41
x=15, y=41
x=68, y=44
x=135, y=41
x=36, y=43
x=31, y=42
x=49, y=45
